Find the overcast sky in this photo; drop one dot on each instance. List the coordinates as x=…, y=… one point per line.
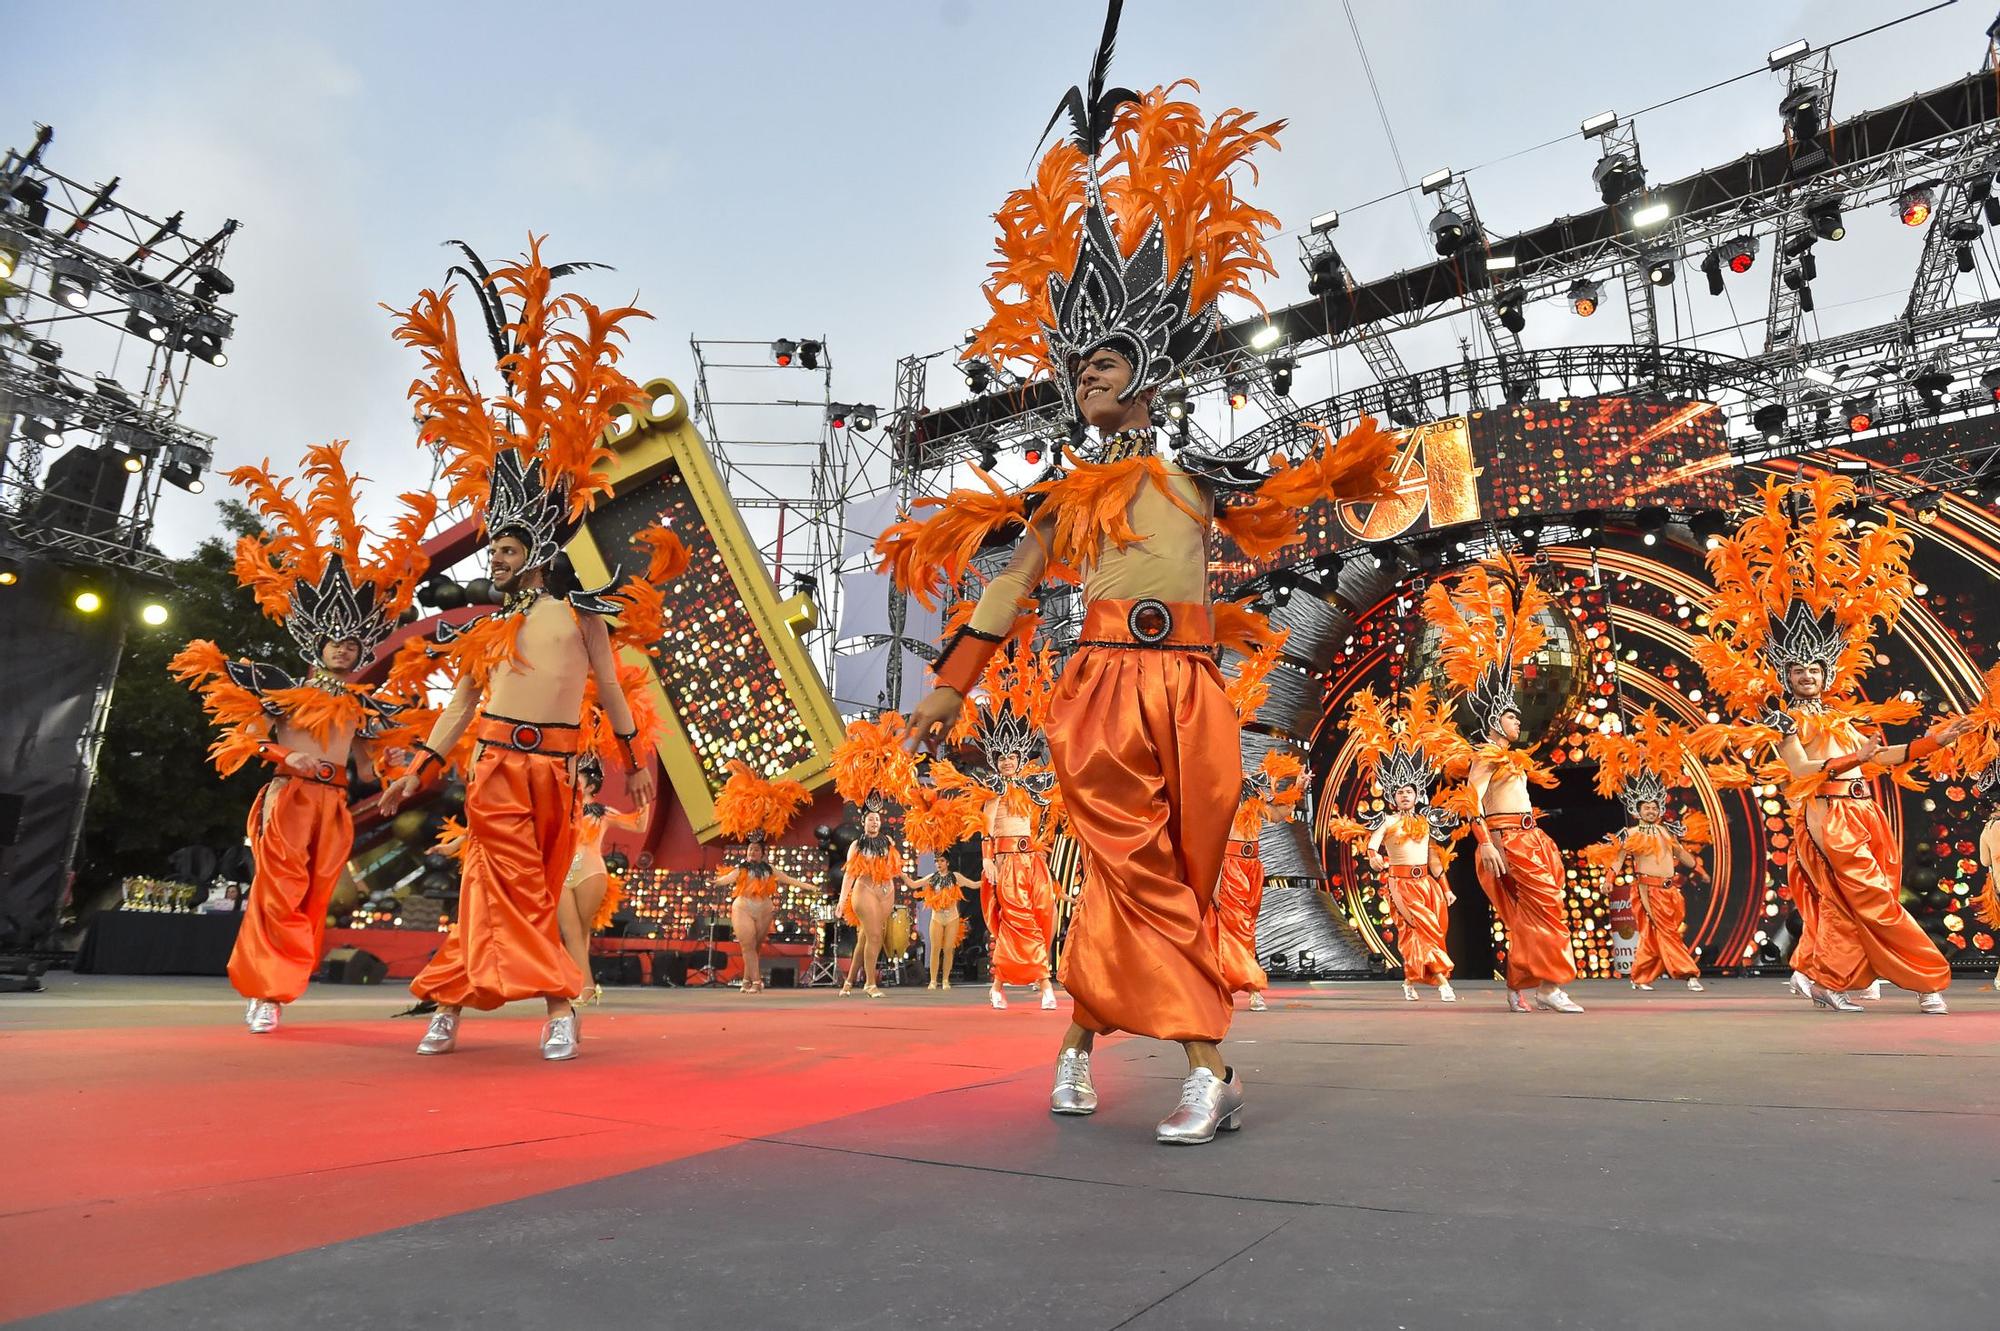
x=757, y=170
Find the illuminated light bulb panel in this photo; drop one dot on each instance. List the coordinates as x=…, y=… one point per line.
x=1614, y=452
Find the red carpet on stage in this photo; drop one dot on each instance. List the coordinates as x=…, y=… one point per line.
x=150, y=1153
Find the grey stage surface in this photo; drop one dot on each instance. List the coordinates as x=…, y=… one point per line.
x=1667, y=1160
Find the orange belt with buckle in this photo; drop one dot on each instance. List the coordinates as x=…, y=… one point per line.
x=1856, y=790
x=1008, y=845
x=1409, y=871
x=1242, y=850
x=1162, y=625
x=1509, y=822
x=548, y=737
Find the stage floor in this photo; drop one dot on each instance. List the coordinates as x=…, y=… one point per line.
x=1667, y=1160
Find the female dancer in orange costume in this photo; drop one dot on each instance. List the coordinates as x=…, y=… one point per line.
x=1799, y=595
x=309, y=573
x=1487, y=631
x=1141, y=733
x=871, y=767
x=1639, y=763
x=942, y=893
x=1267, y=796
x=1401, y=751
x=587, y=901
x=525, y=674
x=756, y=811
x=937, y=818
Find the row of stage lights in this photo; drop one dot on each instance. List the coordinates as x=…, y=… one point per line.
x=44, y=417
x=88, y=600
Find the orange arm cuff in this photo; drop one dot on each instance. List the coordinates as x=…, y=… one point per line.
x=964, y=659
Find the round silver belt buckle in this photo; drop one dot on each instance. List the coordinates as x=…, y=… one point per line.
x=527, y=737
x=1150, y=622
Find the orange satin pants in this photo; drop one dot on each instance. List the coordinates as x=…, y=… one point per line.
x=1859, y=931
x=300, y=836
x=1661, y=949
x=1239, y=896
x=1417, y=897
x=1145, y=745
x=1019, y=903
x=506, y=943
x=1529, y=901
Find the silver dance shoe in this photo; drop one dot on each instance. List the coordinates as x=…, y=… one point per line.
x=1257, y=1003
x=264, y=1016
x=1516, y=1003
x=1445, y=993
x=1832, y=999
x=250, y=1010
x=559, y=1038
x=442, y=1037
x=1694, y=985
x=1073, y=1093
x=1409, y=992
x=1209, y=1104
x=1932, y=1003
x=1555, y=1000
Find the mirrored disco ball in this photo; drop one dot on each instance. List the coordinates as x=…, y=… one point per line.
x=1551, y=686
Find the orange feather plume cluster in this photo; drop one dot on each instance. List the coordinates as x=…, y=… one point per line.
x=1165, y=162
x=241, y=716
x=935, y=818
x=1350, y=468
x=564, y=384
x=928, y=557
x=599, y=736
x=871, y=760
x=751, y=803
x=300, y=537
x=1650, y=744
x=642, y=601
x=1797, y=546
x=1979, y=748
x=1421, y=725
x=1486, y=619
x=1251, y=684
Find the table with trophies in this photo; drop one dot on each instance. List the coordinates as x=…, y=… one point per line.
x=163, y=928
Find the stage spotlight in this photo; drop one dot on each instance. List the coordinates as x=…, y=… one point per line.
x=1991, y=382
x=1281, y=376
x=1448, y=233
x=1508, y=305
x=1174, y=402
x=978, y=374
x=1963, y=236
x=989, y=457
x=1740, y=254
x=1617, y=178
x=71, y=281
x=449, y=595
x=1860, y=413
x=1266, y=337
x=784, y=350
x=1660, y=268
x=11, y=245
x=1519, y=391
x=864, y=417
x=1926, y=506
x=1769, y=419
x=1803, y=118
x=1032, y=451
x=1913, y=205
x=10, y=573
x=1931, y=386
x=1584, y=295
x=1707, y=527
x=1826, y=220
x=1238, y=389
x=133, y=463
x=836, y=414
x=1651, y=214
x=88, y=601
x=1652, y=520
x=1711, y=268
x=152, y=614
x=809, y=354
x=1325, y=274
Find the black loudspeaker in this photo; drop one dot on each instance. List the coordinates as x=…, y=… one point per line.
x=782, y=977
x=619, y=968
x=84, y=491
x=11, y=806
x=351, y=965
x=670, y=968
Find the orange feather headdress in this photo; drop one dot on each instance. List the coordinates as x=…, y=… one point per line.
x=308, y=569
x=1641, y=762
x=1797, y=585
x=529, y=459
x=753, y=808
x=870, y=761
x=1487, y=630
x=1132, y=251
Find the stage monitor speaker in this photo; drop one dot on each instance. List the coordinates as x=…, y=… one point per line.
x=782, y=977
x=670, y=967
x=351, y=965
x=616, y=969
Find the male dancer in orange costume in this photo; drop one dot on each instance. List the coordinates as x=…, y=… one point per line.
x=1143, y=738
x=1488, y=630
x=309, y=574
x=1638, y=763
x=756, y=811
x=1266, y=796
x=1798, y=597
x=1401, y=751
x=529, y=465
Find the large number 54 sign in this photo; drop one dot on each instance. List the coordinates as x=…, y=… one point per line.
x=1435, y=486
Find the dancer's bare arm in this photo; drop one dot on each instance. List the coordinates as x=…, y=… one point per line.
x=444, y=736
x=611, y=697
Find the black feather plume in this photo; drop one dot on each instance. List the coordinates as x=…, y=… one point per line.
x=1090, y=108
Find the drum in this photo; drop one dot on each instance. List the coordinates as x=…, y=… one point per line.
x=902, y=928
